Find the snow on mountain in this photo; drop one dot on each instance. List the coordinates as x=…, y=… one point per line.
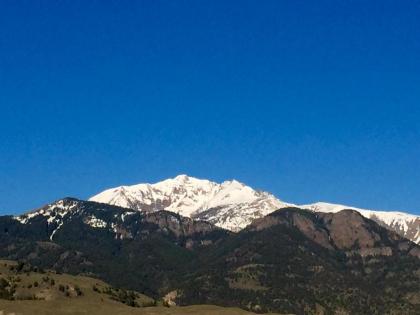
x=54, y=212
x=181, y=194
x=231, y=204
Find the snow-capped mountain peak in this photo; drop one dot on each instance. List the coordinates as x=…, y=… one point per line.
x=232, y=205
x=237, y=204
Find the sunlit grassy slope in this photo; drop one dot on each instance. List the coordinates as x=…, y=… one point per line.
x=48, y=293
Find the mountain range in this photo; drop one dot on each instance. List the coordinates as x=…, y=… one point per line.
x=187, y=241
x=292, y=261
x=232, y=205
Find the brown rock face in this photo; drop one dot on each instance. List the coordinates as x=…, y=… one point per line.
x=302, y=220
x=311, y=230
x=266, y=222
x=180, y=226
x=348, y=229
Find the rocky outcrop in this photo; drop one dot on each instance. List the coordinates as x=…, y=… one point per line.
x=347, y=231
x=180, y=226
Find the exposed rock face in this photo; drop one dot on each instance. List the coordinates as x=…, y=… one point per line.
x=170, y=298
x=304, y=221
x=404, y=224
x=374, y=251
x=177, y=224
x=312, y=230
x=346, y=230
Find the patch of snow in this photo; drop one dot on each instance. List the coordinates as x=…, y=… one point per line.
x=26, y=217
x=95, y=222
x=416, y=238
x=54, y=212
x=124, y=215
x=55, y=231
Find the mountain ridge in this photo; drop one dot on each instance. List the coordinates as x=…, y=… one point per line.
x=290, y=261
x=232, y=205
x=196, y=198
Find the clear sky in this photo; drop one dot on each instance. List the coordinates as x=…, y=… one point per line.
x=310, y=100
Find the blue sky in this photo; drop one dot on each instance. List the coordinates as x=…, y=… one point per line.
x=308, y=100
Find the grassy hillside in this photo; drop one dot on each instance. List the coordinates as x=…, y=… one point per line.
x=24, y=291
x=82, y=307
